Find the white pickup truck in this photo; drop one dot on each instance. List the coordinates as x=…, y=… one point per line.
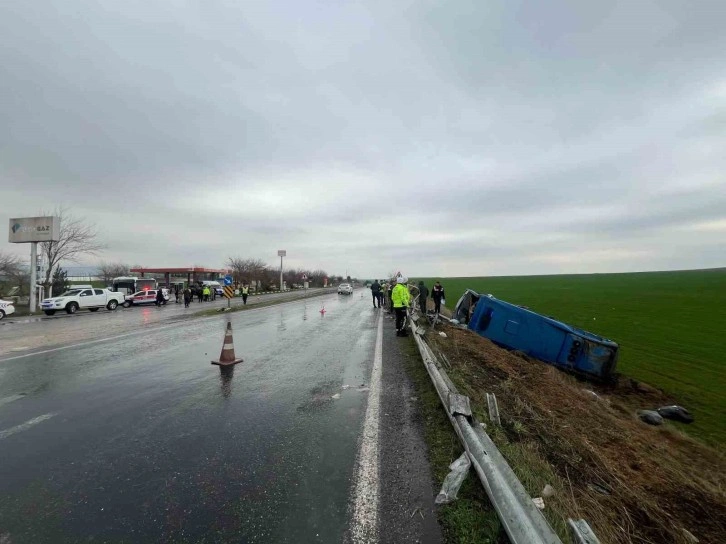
x=82, y=299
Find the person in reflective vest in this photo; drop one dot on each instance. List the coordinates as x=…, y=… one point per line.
x=401, y=298
x=245, y=292
x=205, y=292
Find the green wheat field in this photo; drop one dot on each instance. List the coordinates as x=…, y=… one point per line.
x=671, y=327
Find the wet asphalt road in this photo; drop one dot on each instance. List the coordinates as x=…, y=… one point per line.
x=141, y=439
x=20, y=334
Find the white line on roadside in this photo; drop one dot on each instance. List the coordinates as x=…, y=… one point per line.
x=25, y=426
x=136, y=333
x=10, y=399
x=364, y=526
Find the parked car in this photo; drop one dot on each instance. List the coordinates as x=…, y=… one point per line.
x=345, y=289
x=82, y=299
x=6, y=308
x=147, y=297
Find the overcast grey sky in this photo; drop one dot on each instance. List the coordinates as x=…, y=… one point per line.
x=448, y=138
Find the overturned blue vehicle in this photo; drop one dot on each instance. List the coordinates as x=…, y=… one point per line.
x=541, y=337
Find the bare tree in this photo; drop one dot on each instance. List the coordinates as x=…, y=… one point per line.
x=77, y=238
x=9, y=264
x=13, y=272
x=247, y=269
x=317, y=276
x=108, y=271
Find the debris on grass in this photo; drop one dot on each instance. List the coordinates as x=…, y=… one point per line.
x=630, y=481
x=651, y=417
x=676, y=413
x=454, y=479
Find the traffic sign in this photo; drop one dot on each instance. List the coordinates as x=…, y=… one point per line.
x=228, y=291
x=228, y=280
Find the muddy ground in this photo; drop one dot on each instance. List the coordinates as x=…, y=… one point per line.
x=632, y=482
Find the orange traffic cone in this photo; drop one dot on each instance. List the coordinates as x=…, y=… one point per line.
x=227, y=357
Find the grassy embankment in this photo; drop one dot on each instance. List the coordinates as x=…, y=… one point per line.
x=671, y=327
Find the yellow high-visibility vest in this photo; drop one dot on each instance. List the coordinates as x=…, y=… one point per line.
x=400, y=296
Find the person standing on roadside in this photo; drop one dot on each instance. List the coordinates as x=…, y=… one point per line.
x=375, y=292
x=245, y=293
x=400, y=298
x=159, y=297
x=187, y=296
x=389, y=295
x=437, y=293
x=205, y=293
x=423, y=293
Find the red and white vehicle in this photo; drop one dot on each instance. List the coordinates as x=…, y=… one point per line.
x=147, y=297
x=6, y=308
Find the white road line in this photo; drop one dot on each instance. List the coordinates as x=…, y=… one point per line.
x=10, y=399
x=364, y=526
x=25, y=426
x=142, y=331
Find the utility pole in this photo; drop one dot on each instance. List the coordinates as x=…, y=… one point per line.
x=281, y=253
x=33, y=276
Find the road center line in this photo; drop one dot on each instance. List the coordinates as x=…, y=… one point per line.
x=364, y=526
x=25, y=426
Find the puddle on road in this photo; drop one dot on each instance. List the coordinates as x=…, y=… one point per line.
x=320, y=397
x=324, y=394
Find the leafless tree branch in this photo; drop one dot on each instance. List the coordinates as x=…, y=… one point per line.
x=77, y=238
x=108, y=271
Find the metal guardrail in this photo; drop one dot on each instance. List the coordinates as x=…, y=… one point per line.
x=520, y=517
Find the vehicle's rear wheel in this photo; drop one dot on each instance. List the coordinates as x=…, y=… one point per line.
x=72, y=308
x=49, y=312
x=112, y=305
x=93, y=309
x=2, y=314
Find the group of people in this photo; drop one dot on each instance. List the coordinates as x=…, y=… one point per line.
x=437, y=295
x=396, y=297
x=204, y=293
x=382, y=294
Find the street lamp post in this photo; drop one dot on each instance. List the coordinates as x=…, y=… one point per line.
x=281, y=253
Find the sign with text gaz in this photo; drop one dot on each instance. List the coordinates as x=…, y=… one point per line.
x=34, y=229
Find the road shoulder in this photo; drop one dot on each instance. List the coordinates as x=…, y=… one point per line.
x=407, y=506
